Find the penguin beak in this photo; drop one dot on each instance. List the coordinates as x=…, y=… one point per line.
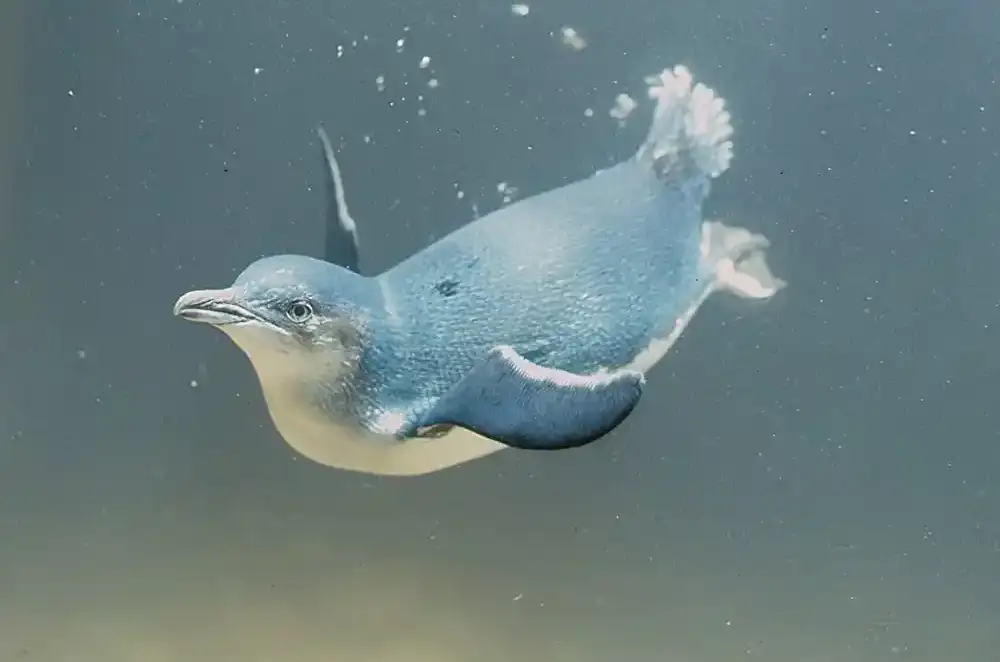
x=215, y=307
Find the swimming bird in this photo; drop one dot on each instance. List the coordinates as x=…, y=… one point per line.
x=531, y=327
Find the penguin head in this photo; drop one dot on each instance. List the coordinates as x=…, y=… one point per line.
x=295, y=317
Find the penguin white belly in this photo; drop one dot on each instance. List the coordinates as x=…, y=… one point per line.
x=318, y=438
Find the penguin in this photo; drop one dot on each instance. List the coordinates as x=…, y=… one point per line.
x=531, y=327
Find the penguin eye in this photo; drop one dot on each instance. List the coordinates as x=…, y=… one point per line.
x=299, y=311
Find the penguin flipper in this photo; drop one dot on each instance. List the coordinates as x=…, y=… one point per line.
x=520, y=404
x=340, y=245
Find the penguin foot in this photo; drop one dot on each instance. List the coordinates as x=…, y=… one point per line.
x=691, y=131
x=737, y=258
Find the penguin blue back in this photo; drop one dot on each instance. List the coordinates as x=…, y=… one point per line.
x=582, y=277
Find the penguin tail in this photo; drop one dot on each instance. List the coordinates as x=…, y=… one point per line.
x=689, y=137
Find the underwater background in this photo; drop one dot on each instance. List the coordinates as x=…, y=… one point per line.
x=810, y=479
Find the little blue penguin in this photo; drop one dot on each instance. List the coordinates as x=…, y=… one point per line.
x=531, y=327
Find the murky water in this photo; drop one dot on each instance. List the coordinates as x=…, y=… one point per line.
x=813, y=478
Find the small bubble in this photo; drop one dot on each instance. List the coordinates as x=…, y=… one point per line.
x=624, y=105
x=572, y=38
x=507, y=192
